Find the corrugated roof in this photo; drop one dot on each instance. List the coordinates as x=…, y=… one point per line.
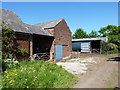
x=92, y=39
x=11, y=19
x=50, y=24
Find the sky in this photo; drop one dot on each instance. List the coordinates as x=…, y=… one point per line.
x=86, y=15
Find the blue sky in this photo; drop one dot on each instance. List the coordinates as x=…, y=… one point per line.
x=86, y=15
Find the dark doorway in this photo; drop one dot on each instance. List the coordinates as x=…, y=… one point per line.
x=42, y=44
x=95, y=46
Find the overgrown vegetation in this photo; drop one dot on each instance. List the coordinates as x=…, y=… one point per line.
x=109, y=48
x=9, y=46
x=113, y=34
x=37, y=74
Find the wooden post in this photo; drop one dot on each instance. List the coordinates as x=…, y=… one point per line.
x=77, y=53
x=90, y=48
x=100, y=47
x=52, y=51
x=31, y=45
x=54, y=54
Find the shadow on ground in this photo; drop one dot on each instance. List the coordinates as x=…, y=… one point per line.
x=117, y=59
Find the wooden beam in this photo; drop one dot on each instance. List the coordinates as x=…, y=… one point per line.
x=31, y=45
x=100, y=47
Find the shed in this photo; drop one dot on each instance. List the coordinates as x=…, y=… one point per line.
x=88, y=45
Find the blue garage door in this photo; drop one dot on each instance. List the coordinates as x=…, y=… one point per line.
x=58, y=50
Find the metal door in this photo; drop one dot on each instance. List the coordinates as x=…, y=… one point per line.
x=58, y=51
x=85, y=46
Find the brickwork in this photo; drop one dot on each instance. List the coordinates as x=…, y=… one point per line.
x=22, y=40
x=62, y=36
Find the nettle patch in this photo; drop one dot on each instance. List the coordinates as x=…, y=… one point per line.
x=37, y=74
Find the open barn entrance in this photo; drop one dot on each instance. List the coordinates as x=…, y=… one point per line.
x=95, y=46
x=42, y=45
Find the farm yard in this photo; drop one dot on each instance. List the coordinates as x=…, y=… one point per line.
x=77, y=65
x=94, y=70
x=47, y=53
x=102, y=74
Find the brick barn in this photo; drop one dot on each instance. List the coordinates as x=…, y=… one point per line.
x=53, y=38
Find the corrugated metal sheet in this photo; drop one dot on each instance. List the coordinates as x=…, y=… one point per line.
x=92, y=39
x=58, y=51
x=76, y=45
x=85, y=46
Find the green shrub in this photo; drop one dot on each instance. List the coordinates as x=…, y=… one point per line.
x=109, y=48
x=0, y=81
x=37, y=74
x=8, y=64
x=10, y=48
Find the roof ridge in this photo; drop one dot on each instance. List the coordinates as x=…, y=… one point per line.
x=49, y=24
x=50, y=21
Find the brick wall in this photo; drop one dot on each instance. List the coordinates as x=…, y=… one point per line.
x=22, y=40
x=62, y=36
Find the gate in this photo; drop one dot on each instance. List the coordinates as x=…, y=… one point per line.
x=58, y=51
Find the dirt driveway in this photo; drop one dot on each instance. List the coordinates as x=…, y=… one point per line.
x=103, y=74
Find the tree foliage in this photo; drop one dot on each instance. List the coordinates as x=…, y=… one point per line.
x=80, y=33
x=93, y=34
x=113, y=34
x=109, y=30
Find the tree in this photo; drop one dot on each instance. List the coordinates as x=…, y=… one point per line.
x=80, y=33
x=8, y=44
x=93, y=34
x=113, y=33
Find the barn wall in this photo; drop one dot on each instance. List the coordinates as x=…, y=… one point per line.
x=31, y=42
x=22, y=40
x=63, y=37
